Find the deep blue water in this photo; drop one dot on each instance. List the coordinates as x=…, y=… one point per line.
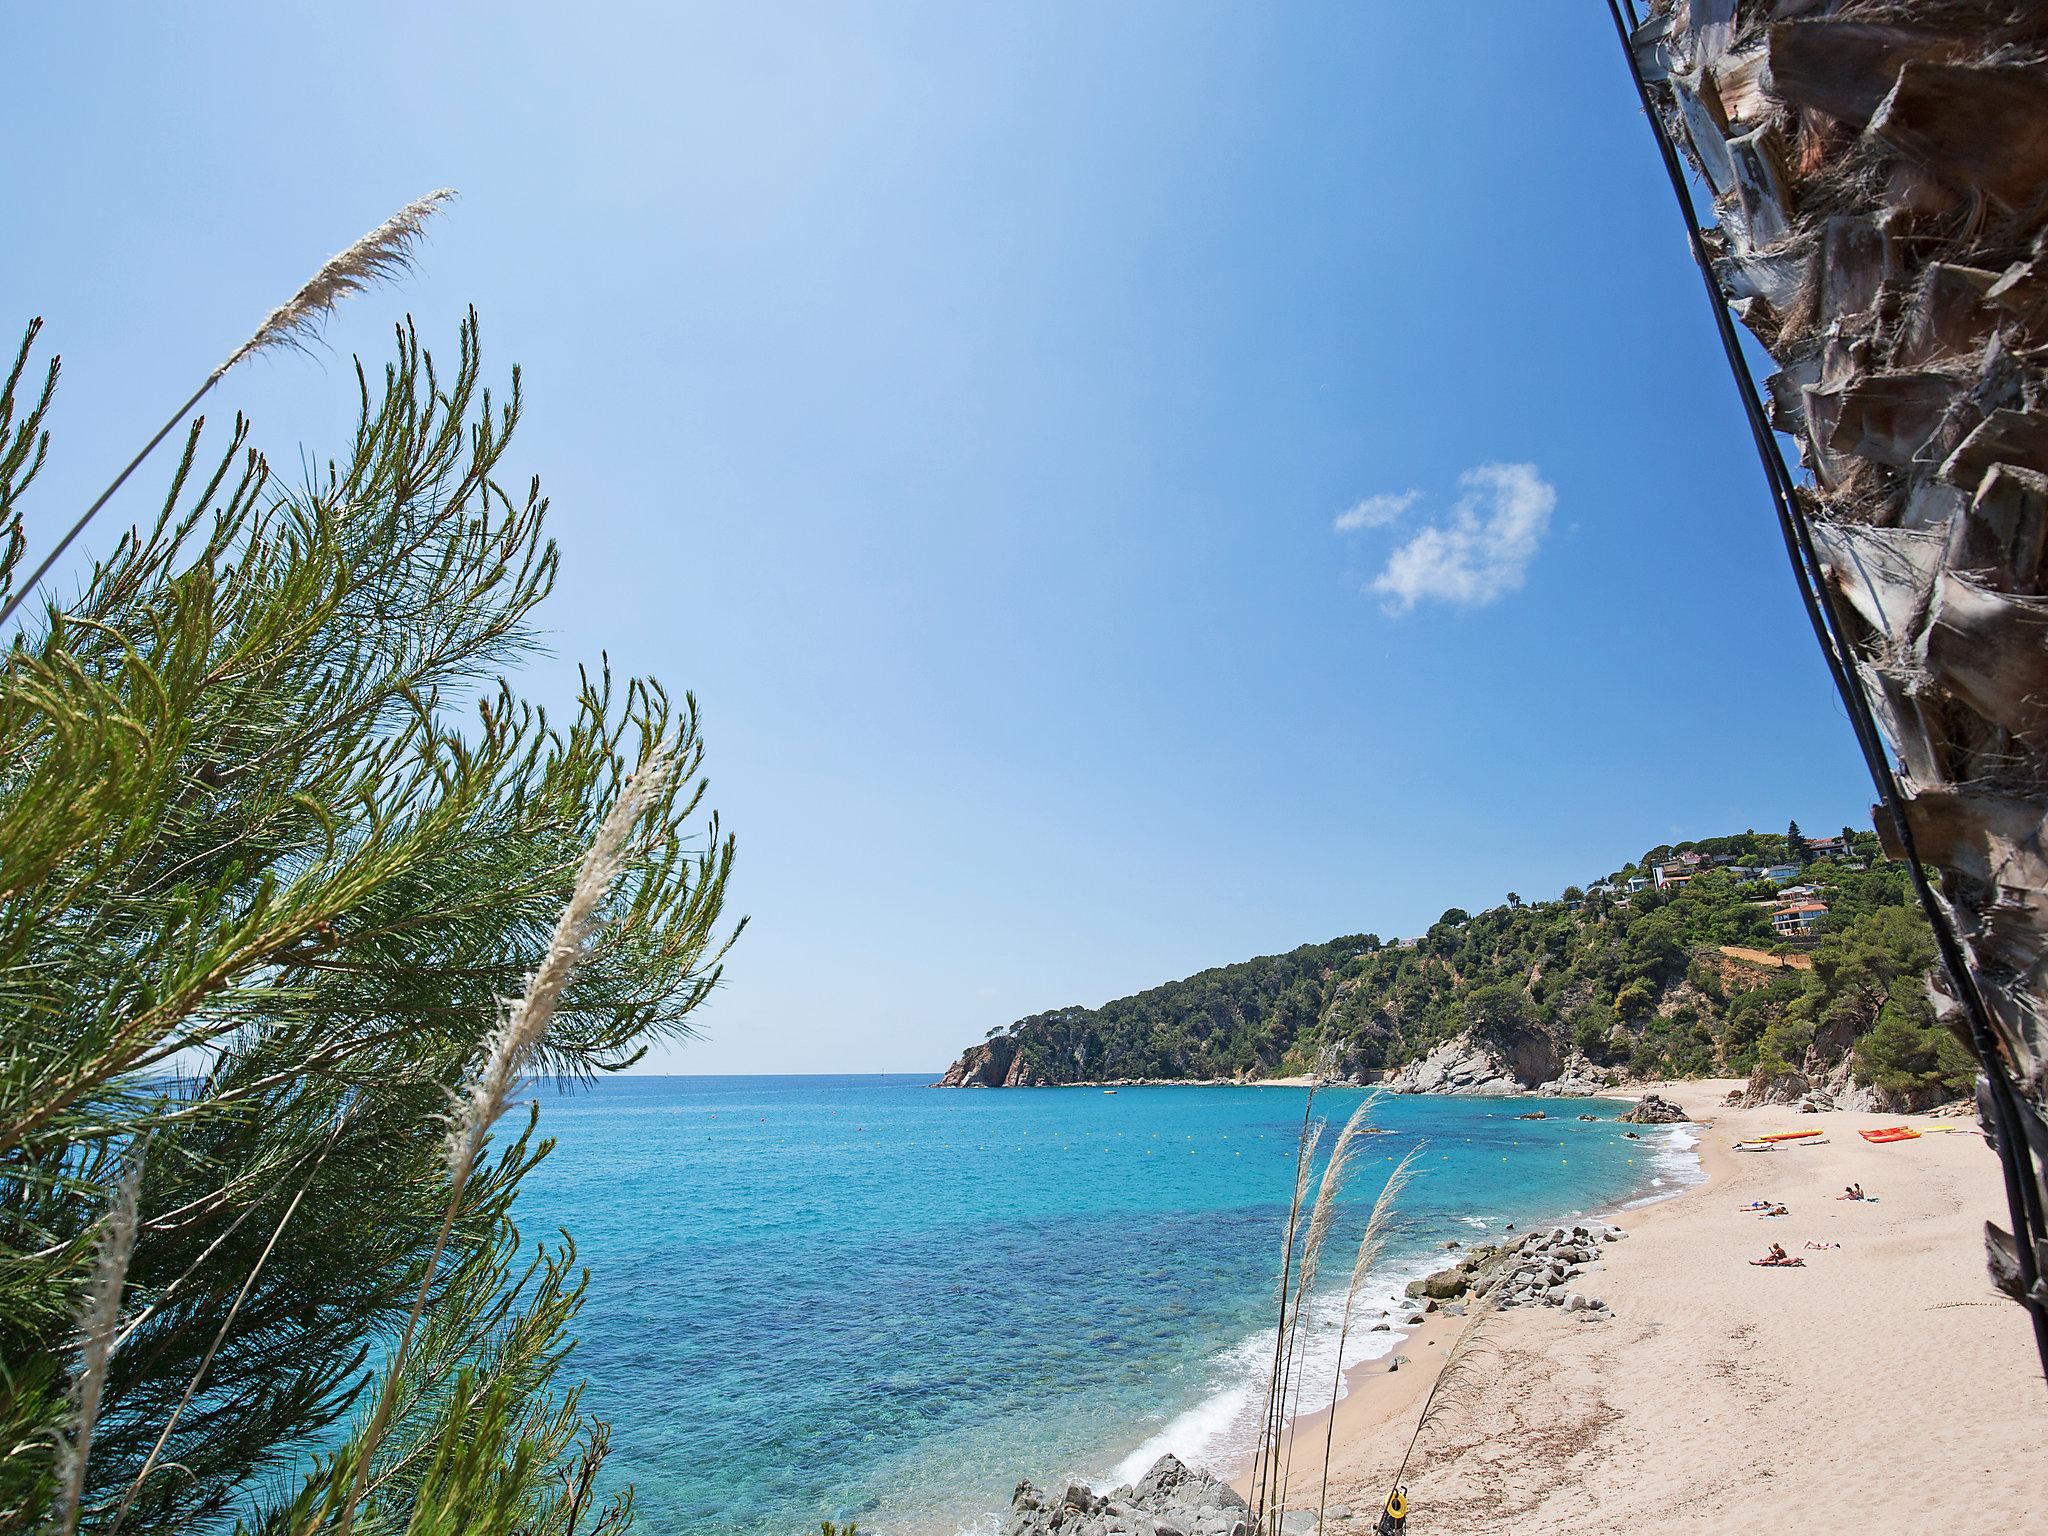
x=832, y=1297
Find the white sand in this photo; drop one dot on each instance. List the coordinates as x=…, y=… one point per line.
x=1885, y=1387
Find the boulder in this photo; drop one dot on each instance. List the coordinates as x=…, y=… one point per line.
x=1442, y=1285
x=1653, y=1110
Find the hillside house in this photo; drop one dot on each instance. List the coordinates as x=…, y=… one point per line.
x=1796, y=919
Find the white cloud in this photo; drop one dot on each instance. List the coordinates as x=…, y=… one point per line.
x=1376, y=511
x=1483, y=551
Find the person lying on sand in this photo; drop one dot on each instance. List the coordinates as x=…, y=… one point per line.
x=1760, y=1205
x=1822, y=1247
x=1777, y=1256
x=1776, y=1210
x=1853, y=1192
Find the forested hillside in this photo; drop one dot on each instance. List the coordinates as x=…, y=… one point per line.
x=1600, y=983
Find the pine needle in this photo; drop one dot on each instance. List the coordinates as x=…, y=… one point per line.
x=523, y=1024
x=97, y=1323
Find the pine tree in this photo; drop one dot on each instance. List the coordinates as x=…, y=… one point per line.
x=1797, y=849
x=276, y=841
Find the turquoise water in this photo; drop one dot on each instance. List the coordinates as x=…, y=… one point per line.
x=834, y=1297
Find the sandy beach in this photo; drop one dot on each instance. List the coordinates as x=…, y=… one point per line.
x=1883, y=1387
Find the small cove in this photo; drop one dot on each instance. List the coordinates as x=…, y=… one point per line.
x=858, y=1297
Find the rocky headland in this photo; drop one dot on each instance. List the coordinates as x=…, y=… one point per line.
x=1674, y=966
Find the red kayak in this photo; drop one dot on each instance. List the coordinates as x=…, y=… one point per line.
x=1788, y=1135
x=1891, y=1133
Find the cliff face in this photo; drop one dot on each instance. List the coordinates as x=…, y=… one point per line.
x=997, y=1064
x=1532, y=1062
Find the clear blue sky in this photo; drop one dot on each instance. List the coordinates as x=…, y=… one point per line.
x=963, y=401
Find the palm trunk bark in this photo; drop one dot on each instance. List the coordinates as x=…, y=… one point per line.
x=1879, y=178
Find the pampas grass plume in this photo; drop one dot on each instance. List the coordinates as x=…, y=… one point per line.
x=97, y=1323
x=525, y=1021
x=520, y=1028
x=384, y=252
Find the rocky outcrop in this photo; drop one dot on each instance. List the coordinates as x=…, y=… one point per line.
x=996, y=1064
x=1170, y=1500
x=1652, y=1110
x=1485, y=1068
x=1813, y=1093
x=1537, y=1269
x=1449, y=1284
x=1580, y=1079
x=1545, y=1269
x=1530, y=1063
x=1460, y=1065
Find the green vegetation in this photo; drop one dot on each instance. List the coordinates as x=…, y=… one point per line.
x=1634, y=983
x=276, y=841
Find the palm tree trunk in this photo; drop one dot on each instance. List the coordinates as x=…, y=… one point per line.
x=1879, y=180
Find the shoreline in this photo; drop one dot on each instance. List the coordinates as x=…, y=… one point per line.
x=1849, y=1392
x=1436, y=1332
x=1379, y=1324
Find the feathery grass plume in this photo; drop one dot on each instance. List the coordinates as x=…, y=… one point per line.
x=1304, y=1164
x=520, y=1029
x=384, y=252
x=97, y=1322
x=1321, y=1217
x=1370, y=1246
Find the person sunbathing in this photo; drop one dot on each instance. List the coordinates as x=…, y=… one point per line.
x=1760, y=1205
x=1777, y=1210
x=1852, y=1192
x=1777, y=1257
x=1822, y=1247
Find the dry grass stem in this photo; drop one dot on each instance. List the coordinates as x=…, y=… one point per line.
x=97, y=1324
x=1370, y=1246
x=1458, y=1379
x=1321, y=1217
x=199, y=1375
x=1304, y=1162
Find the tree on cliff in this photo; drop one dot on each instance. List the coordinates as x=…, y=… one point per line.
x=275, y=841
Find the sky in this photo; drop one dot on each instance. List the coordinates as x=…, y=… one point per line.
x=1132, y=487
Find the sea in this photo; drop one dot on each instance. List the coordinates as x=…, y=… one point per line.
x=861, y=1298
